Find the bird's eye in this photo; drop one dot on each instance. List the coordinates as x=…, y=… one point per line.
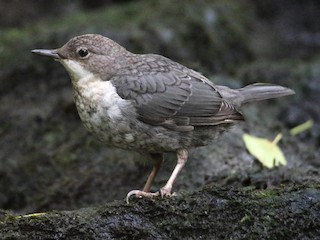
x=83, y=52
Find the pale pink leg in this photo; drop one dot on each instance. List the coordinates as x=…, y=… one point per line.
x=182, y=156
x=157, y=161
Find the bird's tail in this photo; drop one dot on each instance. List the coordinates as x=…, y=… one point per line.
x=253, y=92
x=262, y=91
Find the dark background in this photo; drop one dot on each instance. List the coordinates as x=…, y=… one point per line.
x=49, y=161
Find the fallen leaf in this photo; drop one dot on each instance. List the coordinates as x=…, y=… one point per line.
x=31, y=215
x=265, y=151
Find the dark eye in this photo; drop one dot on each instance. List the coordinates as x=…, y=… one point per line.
x=83, y=52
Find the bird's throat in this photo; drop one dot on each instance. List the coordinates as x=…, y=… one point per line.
x=76, y=71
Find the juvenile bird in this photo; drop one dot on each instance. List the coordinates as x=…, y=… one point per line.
x=149, y=103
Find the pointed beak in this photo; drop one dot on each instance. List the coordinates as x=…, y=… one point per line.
x=47, y=52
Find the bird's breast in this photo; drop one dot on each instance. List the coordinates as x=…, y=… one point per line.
x=100, y=108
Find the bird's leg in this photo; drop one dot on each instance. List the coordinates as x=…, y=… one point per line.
x=157, y=161
x=182, y=157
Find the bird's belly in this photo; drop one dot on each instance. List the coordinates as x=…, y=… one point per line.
x=130, y=133
x=134, y=135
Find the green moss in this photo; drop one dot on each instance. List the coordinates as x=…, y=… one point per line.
x=265, y=193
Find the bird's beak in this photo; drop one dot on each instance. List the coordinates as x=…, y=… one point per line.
x=47, y=52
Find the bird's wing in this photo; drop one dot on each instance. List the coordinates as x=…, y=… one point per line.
x=175, y=98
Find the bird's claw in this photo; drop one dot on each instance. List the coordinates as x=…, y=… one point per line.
x=140, y=194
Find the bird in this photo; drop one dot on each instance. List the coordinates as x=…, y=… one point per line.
x=149, y=103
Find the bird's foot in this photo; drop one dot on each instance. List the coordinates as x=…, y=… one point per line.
x=141, y=194
x=163, y=192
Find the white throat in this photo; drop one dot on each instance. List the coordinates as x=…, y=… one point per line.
x=76, y=70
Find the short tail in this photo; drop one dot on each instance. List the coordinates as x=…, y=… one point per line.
x=262, y=91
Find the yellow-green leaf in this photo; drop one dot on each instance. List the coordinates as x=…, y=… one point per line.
x=302, y=127
x=267, y=152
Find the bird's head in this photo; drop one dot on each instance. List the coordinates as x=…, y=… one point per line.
x=88, y=54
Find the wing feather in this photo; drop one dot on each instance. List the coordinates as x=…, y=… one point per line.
x=175, y=97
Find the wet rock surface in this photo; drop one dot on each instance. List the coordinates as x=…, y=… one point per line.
x=212, y=212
